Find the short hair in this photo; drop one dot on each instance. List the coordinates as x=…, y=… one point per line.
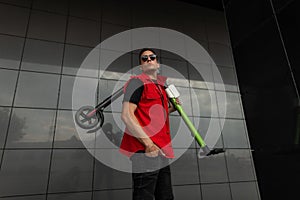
x=143, y=50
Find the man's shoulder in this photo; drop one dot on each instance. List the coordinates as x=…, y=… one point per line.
x=135, y=81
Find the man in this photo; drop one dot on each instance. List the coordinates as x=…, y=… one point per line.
x=147, y=139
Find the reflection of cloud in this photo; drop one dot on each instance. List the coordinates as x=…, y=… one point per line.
x=37, y=127
x=65, y=129
x=36, y=138
x=38, y=66
x=69, y=133
x=37, y=90
x=114, y=75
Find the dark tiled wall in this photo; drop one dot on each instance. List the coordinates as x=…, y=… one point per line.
x=42, y=45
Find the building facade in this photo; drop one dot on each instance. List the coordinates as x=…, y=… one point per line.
x=42, y=47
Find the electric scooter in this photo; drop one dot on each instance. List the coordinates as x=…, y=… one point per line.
x=88, y=117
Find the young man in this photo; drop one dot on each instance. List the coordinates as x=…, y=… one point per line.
x=147, y=139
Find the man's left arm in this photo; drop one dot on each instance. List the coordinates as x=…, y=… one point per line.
x=171, y=106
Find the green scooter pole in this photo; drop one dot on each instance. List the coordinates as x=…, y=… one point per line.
x=206, y=150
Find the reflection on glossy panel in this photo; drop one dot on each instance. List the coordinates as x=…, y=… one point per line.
x=37, y=90
x=10, y=51
x=209, y=130
x=176, y=71
x=74, y=56
x=108, y=178
x=206, y=100
x=111, y=132
x=216, y=27
x=216, y=191
x=110, y=30
x=166, y=17
x=221, y=54
x=245, y=191
x=24, y=3
x=90, y=10
x=113, y=158
x=70, y=196
x=185, y=169
x=83, y=32
x=240, y=166
x=186, y=101
x=213, y=169
x=191, y=192
x=66, y=91
x=42, y=56
x=31, y=128
x=66, y=134
x=113, y=194
x=120, y=14
x=107, y=88
x=71, y=170
x=90, y=65
x=200, y=75
x=194, y=24
x=78, y=92
x=35, y=197
x=172, y=40
x=233, y=104
x=138, y=40
x=8, y=79
x=24, y=172
x=135, y=60
x=138, y=21
x=180, y=133
x=47, y=26
x=234, y=134
x=119, y=69
x=198, y=52
x=227, y=79
x=57, y=6
x=171, y=59
x=4, y=117
x=18, y=18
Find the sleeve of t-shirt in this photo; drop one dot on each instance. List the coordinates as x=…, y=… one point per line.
x=134, y=91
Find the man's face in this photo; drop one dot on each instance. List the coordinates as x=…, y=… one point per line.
x=148, y=61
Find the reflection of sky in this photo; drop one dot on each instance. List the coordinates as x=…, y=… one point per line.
x=9, y=62
x=7, y=86
x=65, y=128
x=233, y=104
x=38, y=125
x=228, y=77
x=114, y=75
x=10, y=51
x=37, y=90
x=206, y=103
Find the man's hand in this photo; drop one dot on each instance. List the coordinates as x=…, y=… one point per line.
x=153, y=150
x=171, y=108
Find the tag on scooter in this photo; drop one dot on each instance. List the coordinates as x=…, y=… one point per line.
x=172, y=92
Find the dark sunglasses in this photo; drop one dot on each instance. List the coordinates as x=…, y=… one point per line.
x=145, y=57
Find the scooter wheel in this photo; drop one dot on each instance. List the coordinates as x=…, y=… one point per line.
x=83, y=121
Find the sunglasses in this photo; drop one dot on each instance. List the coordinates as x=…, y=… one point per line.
x=145, y=57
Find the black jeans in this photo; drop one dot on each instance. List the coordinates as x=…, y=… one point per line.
x=150, y=181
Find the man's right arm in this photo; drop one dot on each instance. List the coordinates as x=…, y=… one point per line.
x=137, y=131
